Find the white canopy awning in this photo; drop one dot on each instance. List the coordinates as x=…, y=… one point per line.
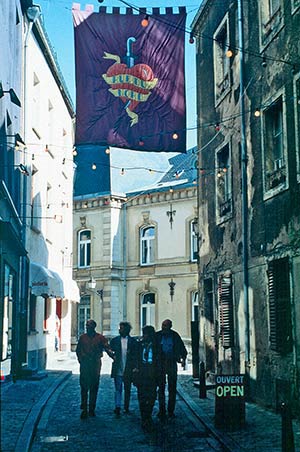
x=45, y=282
x=72, y=291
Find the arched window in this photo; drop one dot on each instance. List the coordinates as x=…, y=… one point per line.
x=147, y=309
x=147, y=236
x=194, y=240
x=84, y=248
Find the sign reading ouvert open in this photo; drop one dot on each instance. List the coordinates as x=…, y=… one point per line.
x=230, y=401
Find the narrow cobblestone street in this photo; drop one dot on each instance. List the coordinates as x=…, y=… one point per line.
x=61, y=429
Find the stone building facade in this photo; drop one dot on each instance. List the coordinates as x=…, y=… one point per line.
x=249, y=238
x=137, y=257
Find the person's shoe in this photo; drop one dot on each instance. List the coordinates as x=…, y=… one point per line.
x=161, y=414
x=126, y=411
x=92, y=413
x=117, y=410
x=171, y=415
x=83, y=415
x=148, y=425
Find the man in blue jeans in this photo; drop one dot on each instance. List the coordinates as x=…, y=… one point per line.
x=125, y=355
x=171, y=350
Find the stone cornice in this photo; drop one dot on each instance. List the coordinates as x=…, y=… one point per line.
x=139, y=200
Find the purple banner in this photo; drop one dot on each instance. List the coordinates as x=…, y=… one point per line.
x=130, y=86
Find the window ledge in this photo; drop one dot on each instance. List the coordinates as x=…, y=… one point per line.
x=275, y=191
x=32, y=332
x=270, y=29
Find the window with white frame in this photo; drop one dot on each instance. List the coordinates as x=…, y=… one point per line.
x=271, y=19
x=274, y=153
x=147, y=238
x=147, y=303
x=84, y=248
x=223, y=183
x=84, y=313
x=36, y=106
x=194, y=240
x=195, y=306
x=221, y=60
x=295, y=5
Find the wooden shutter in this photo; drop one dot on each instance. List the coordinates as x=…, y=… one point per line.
x=226, y=311
x=280, y=306
x=272, y=307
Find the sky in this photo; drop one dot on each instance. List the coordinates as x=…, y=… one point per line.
x=57, y=16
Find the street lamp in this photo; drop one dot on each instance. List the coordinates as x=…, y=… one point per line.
x=13, y=97
x=172, y=285
x=91, y=283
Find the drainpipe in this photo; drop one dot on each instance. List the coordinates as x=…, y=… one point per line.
x=125, y=261
x=244, y=186
x=32, y=13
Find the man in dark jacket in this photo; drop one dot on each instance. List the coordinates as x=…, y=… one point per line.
x=171, y=350
x=125, y=355
x=89, y=352
x=146, y=375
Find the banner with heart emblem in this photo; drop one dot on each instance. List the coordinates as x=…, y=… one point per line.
x=130, y=84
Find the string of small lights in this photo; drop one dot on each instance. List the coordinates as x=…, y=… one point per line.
x=231, y=49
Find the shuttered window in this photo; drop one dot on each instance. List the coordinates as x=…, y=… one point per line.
x=280, y=306
x=226, y=311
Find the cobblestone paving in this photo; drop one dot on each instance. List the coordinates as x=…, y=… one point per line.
x=17, y=400
x=262, y=432
x=61, y=429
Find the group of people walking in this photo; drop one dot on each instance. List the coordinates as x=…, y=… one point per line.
x=148, y=363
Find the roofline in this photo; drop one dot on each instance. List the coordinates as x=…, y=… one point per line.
x=199, y=13
x=49, y=54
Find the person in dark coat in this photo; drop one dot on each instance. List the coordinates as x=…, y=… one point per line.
x=89, y=352
x=125, y=355
x=145, y=375
x=171, y=350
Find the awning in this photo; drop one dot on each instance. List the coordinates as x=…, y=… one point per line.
x=72, y=291
x=45, y=282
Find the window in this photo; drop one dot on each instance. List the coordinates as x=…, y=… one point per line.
x=271, y=19
x=9, y=291
x=84, y=313
x=84, y=248
x=147, y=309
x=36, y=203
x=226, y=311
x=194, y=240
x=32, y=313
x=209, y=300
x=221, y=61
x=295, y=5
x=195, y=306
x=274, y=155
x=47, y=309
x=147, y=236
x=297, y=120
x=36, y=106
x=223, y=184
x=280, y=306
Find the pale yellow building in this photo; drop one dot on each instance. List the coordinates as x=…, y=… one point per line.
x=137, y=253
